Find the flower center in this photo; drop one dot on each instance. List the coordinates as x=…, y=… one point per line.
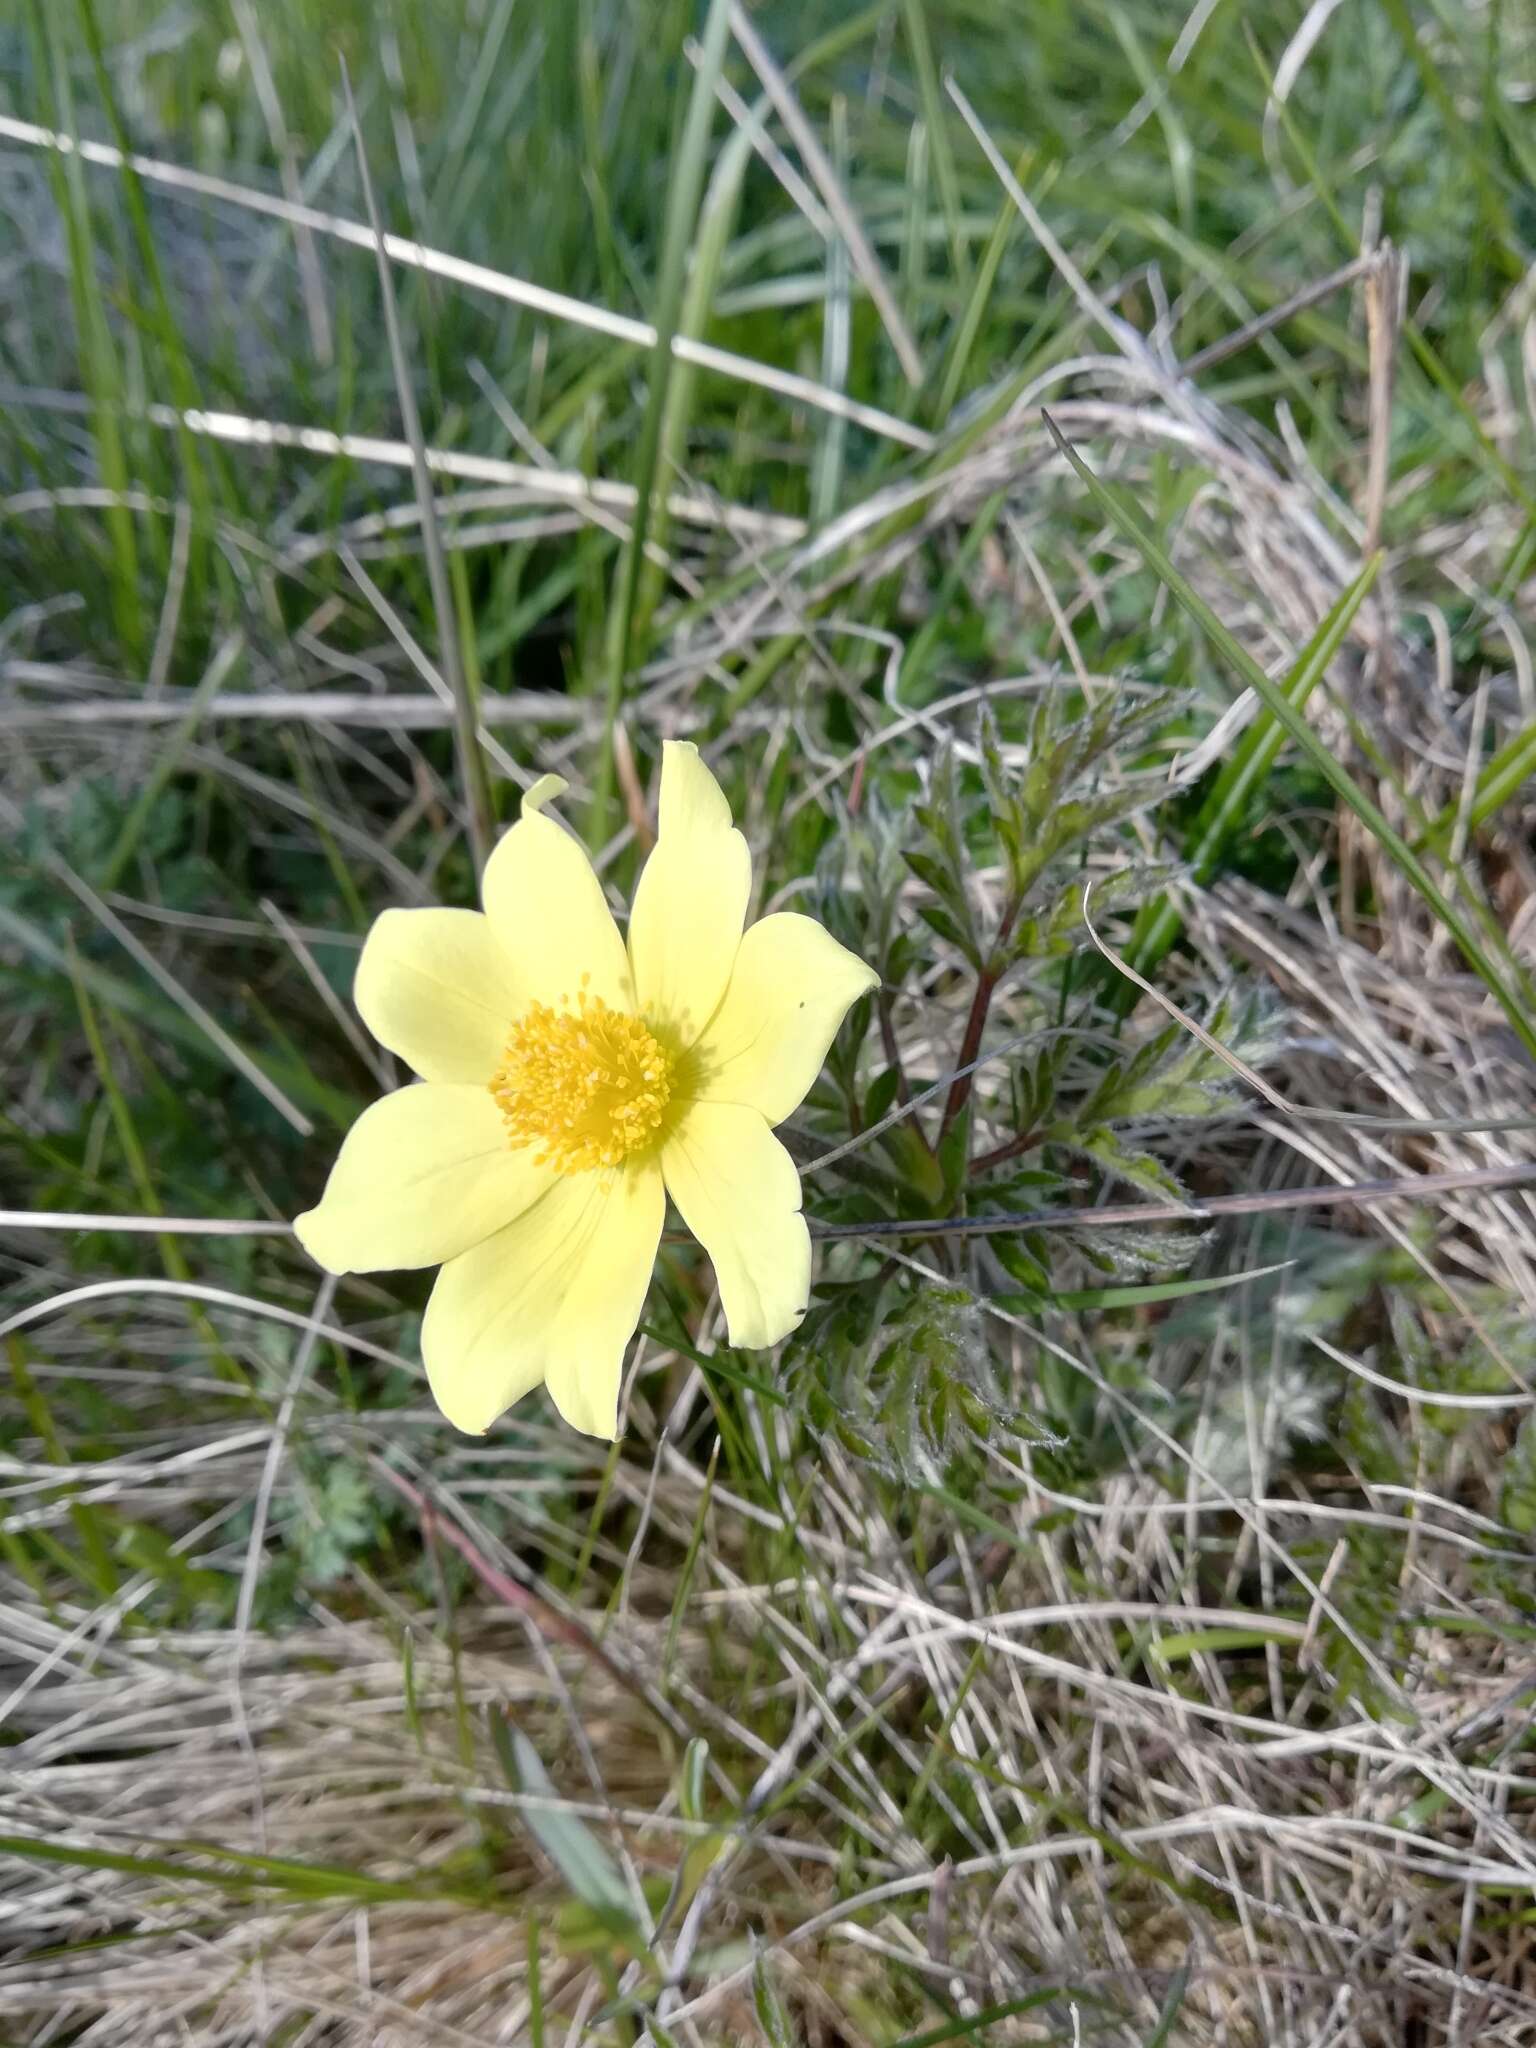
x=588, y=1086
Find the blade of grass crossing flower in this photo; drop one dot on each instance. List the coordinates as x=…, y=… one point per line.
x=682, y=212
x=1159, y=923
x=1518, y=1008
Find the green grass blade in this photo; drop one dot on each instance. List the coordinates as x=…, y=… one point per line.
x=1196, y=1642
x=977, y=305
x=166, y=1019
x=136, y=1156
x=1172, y=2005
x=100, y=370
x=237, y=1871
x=973, y=2027
x=90, y=1522
x=161, y=320
x=1161, y=1290
x=1502, y=778
x=687, y=183
x=1159, y=923
x=472, y=771
x=1516, y=1007
x=920, y=48
x=569, y=1843
x=167, y=760
x=712, y=240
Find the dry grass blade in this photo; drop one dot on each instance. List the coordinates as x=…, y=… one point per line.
x=816, y=161
x=477, y=277
x=1409, y=1186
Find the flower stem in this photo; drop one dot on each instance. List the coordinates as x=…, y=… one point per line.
x=1021, y=1142
x=987, y=978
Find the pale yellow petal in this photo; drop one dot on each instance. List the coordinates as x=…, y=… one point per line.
x=691, y=899
x=737, y=1190
x=547, y=906
x=438, y=988
x=790, y=989
x=555, y=1296
x=421, y=1176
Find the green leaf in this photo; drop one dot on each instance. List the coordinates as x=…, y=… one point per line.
x=692, y=1778
x=769, y=2007
x=938, y=919
x=570, y=1845
x=1171, y=2007
x=1137, y=1169
x=1168, y=1290
x=954, y=1156
x=913, y=1160
x=881, y=1096
x=1194, y=1642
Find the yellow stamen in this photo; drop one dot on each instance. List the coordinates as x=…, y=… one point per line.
x=589, y=1085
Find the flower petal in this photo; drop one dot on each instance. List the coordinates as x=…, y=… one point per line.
x=790, y=989
x=555, y=1296
x=691, y=899
x=738, y=1192
x=421, y=1176
x=437, y=987
x=548, y=908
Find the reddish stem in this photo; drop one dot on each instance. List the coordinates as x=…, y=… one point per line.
x=987, y=978
x=1001, y=1154
x=970, y=1046
x=547, y=1619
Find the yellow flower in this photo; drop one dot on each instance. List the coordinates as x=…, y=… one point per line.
x=568, y=1086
